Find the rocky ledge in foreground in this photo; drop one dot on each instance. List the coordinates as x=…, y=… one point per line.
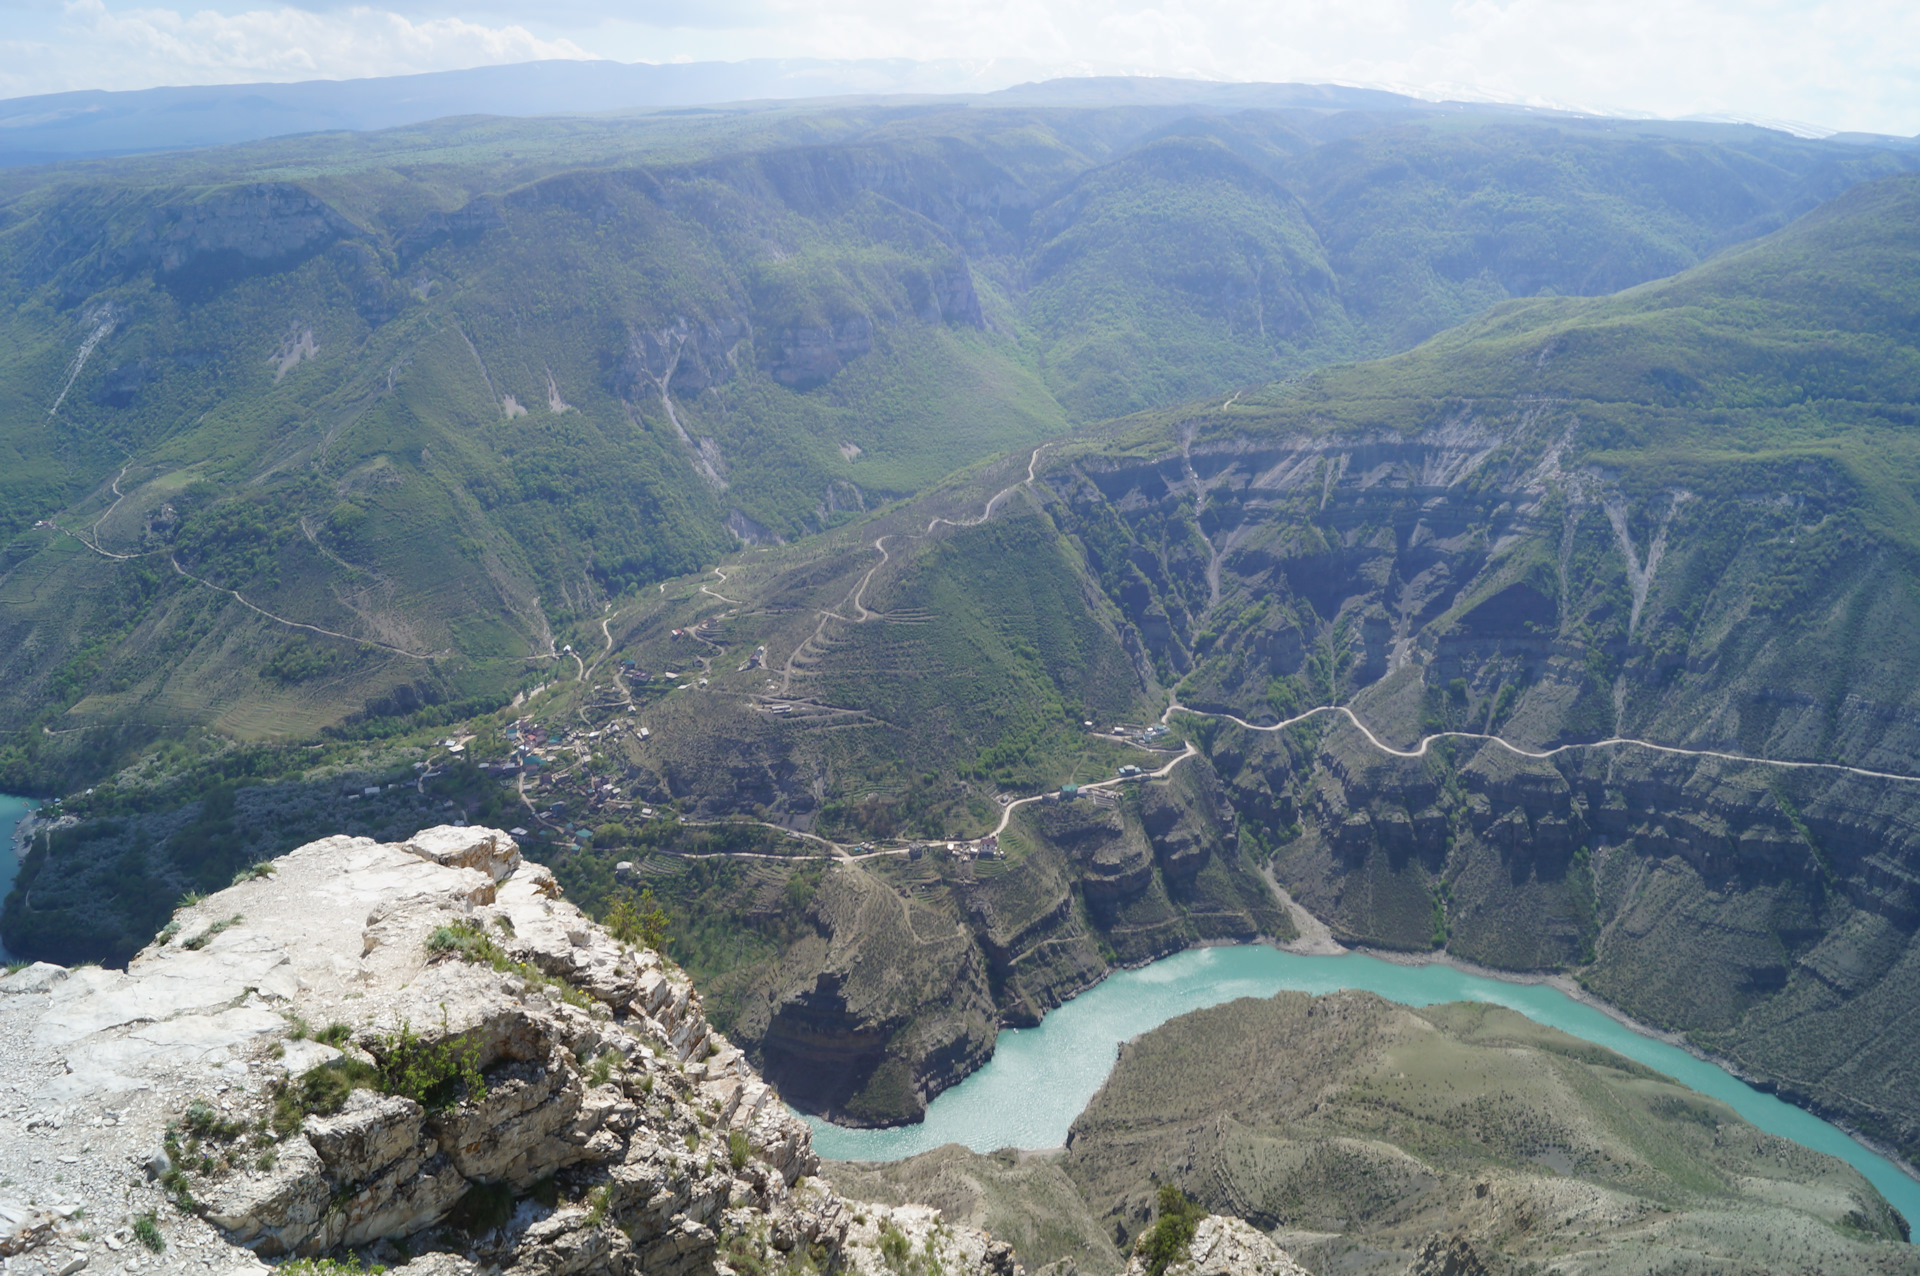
x=1224, y=1246
x=422, y=1052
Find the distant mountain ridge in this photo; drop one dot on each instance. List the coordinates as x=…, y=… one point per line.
x=91, y=124
x=50, y=127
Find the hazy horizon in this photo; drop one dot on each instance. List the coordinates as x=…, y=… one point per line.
x=1811, y=67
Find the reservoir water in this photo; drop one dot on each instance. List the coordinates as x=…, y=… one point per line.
x=12, y=809
x=1040, y=1078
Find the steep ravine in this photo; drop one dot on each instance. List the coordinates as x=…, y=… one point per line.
x=904, y=972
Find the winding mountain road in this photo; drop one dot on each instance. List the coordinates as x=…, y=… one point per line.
x=1611, y=742
x=1006, y=816
x=859, y=593
x=856, y=603
x=91, y=543
x=296, y=624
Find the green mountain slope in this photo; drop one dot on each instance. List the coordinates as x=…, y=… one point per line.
x=1682, y=514
x=421, y=399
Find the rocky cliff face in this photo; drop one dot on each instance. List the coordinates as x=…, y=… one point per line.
x=869, y=1019
x=420, y=1053
x=895, y=990
x=1224, y=1246
x=1468, y=577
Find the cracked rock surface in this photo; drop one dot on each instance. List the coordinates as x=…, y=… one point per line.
x=421, y=1053
x=1224, y=1246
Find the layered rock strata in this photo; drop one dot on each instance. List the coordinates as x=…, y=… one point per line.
x=421, y=1052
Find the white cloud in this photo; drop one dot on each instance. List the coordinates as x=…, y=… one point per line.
x=92, y=46
x=1849, y=63
x=1844, y=63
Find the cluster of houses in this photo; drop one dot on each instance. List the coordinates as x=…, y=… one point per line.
x=525, y=734
x=1147, y=737
x=987, y=848
x=355, y=791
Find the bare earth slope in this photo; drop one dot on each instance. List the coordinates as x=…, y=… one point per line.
x=1357, y=1130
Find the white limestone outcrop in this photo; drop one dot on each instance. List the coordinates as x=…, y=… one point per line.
x=419, y=1050
x=1224, y=1246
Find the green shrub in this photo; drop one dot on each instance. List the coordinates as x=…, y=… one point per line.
x=329, y=1267
x=1172, y=1232
x=432, y=1075
x=321, y=1091
x=467, y=941
x=597, y=1202
x=147, y=1232
x=202, y=1120
x=179, y=1190
x=640, y=921
x=738, y=1149
x=299, y=660
x=895, y=1249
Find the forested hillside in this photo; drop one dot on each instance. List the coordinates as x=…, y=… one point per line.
x=340, y=429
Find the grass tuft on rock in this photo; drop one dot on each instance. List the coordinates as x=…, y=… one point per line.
x=206, y=936
x=467, y=941
x=147, y=1232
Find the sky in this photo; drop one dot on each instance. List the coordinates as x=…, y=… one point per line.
x=1848, y=65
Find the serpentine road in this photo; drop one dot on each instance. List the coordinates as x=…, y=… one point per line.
x=1611, y=742
x=863, y=614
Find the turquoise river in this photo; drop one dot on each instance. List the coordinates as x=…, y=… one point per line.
x=12, y=811
x=1040, y=1078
